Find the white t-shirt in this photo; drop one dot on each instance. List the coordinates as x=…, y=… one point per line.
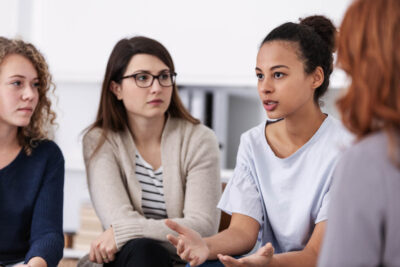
x=286, y=196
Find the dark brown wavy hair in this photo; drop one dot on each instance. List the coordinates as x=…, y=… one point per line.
x=111, y=115
x=43, y=116
x=368, y=51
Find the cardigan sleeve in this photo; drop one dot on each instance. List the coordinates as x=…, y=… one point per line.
x=47, y=240
x=107, y=189
x=202, y=189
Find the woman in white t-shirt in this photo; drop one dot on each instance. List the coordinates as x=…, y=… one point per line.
x=280, y=188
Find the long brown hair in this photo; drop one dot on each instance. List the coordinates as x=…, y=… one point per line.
x=368, y=51
x=111, y=115
x=43, y=116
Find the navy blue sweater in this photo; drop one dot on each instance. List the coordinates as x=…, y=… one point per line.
x=31, y=206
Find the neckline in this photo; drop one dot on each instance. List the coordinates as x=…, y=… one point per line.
x=288, y=159
x=148, y=165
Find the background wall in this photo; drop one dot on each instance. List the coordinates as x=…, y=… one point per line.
x=213, y=43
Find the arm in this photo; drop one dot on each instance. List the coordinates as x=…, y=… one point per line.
x=265, y=257
x=47, y=240
x=240, y=237
x=114, y=207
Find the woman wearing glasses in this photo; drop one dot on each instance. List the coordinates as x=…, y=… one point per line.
x=147, y=159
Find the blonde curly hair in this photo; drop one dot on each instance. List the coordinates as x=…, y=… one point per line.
x=43, y=117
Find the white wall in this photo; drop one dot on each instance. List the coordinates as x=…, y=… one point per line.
x=212, y=43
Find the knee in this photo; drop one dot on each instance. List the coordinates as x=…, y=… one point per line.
x=142, y=245
x=148, y=252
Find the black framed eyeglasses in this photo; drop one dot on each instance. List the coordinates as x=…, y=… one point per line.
x=145, y=80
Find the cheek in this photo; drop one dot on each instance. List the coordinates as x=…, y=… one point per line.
x=37, y=98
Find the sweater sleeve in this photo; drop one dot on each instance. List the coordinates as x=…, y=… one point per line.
x=46, y=239
x=107, y=189
x=202, y=190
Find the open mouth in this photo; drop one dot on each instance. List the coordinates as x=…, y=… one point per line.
x=270, y=105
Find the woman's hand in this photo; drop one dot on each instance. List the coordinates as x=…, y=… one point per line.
x=261, y=258
x=189, y=244
x=34, y=262
x=104, y=248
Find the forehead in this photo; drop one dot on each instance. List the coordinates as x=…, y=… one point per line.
x=279, y=53
x=146, y=62
x=17, y=64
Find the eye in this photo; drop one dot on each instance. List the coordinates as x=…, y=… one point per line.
x=17, y=83
x=142, y=77
x=165, y=76
x=278, y=75
x=36, y=84
x=260, y=76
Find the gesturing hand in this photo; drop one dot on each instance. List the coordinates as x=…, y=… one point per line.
x=189, y=244
x=261, y=258
x=103, y=249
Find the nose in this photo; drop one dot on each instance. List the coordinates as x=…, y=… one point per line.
x=29, y=92
x=156, y=86
x=265, y=86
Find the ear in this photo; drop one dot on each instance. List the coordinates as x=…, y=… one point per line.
x=317, y=77
x=116, y=89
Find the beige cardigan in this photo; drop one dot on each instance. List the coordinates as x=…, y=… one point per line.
x=191, y=179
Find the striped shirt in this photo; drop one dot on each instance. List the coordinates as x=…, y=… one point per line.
x=153, y=203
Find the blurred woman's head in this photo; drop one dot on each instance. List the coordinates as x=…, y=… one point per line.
x=25, y=81
x=368, y=51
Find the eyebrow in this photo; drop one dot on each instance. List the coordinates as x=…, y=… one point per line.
x=146, y=71
x=274, y=67
x=22, y=77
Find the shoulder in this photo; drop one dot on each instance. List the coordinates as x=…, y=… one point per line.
x=47, y=148
x=187, y=130
x=333, y=136
x=254, y=135
x=94, y=136
x=335, y=128
x=371, y=149
x=366, y=164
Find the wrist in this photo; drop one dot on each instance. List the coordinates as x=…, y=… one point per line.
x=37, y=262
x=208, y=243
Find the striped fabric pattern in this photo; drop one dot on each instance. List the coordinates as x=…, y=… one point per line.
x=153, y=203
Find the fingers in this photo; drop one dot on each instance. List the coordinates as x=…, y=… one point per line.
x=267, y=250
x=173, y=240
x=98, y=257
x=229, y=261
x=180, y=247
x=176, y=227
x=92, y=253
x=186, y=255
x=194, y=261
x=111, y=256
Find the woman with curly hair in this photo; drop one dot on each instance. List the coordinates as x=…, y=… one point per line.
x=31, y=166
x=364, y=226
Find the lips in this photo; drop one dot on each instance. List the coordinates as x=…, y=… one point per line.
x=270, y=105
x=155, y=101
x=26, y=109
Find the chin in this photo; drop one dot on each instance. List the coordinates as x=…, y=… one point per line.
x=274, y=115
x=23, y=123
